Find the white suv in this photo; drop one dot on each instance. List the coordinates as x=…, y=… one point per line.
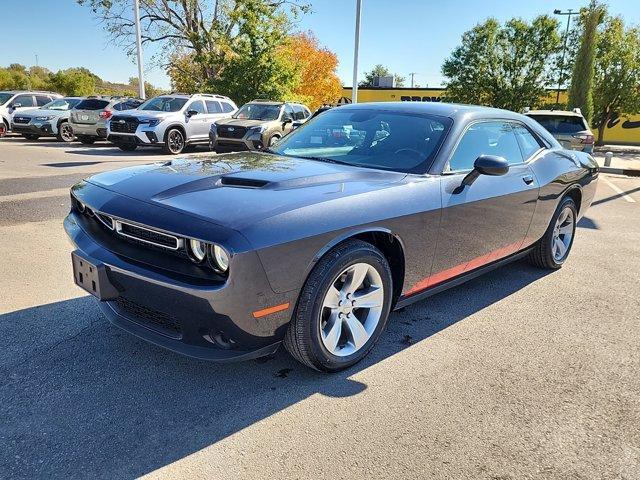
x=17, y=100
x=173, y=122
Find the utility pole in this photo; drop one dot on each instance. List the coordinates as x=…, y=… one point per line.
x=412, y=74
x=354, y=88
x=568, y=13
x=136, y=15
x=37, y=64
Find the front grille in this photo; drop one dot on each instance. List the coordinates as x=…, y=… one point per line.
x=22, y=120
x=121, y=124
x=227, y=131
x=151, y=317
x=146, y=235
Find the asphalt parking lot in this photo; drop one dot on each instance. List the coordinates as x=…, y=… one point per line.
x=518, y=374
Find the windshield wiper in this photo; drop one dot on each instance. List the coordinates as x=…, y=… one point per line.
x=327, y=160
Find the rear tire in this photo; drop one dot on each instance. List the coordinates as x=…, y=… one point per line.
x=174, y=142
x=65, y=133
x=329, y=332
x=31, y=136
x=85, y=140
x=552, y=250
x=125, y=147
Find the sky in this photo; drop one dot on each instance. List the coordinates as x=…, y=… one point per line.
x=404, y=35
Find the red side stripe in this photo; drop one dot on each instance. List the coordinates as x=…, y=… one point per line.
x=472, y=264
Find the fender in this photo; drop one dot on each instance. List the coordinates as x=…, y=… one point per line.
x=174, y=125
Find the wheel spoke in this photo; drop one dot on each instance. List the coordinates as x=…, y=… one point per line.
x=563, y=216
x=371, y=299
x=335, y=331
x=561, y=248
x=357, y=332
x=332, y=298
x=567, y=229
x=355, y=277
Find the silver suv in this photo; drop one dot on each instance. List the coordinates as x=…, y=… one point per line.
x=50, y=120
x=88, y=118
x=19, y=100
x=173, y=122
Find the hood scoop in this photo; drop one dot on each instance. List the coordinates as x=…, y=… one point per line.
x=240, y=182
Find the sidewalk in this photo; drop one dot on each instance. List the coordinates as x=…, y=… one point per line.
x=625, y=160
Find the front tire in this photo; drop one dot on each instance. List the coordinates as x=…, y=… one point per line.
x=554, y=247
x=343, y=308
x=65, y=133
x=174, y=142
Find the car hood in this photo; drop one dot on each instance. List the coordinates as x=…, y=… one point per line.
x=36, y=112
x=239, y=189
x=241, y=122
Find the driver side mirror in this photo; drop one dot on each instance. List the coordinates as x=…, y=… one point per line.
x=286, y=120
x=191, y=113
x=15, y=105
x=491, y=165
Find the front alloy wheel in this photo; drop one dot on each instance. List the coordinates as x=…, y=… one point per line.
x=175, y=142
x=342, y=308
x=65, y=132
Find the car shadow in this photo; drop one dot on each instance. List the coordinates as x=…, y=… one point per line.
x=80, y=397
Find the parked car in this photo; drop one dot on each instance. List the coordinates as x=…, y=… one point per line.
x=258, y=124
x=569, y=128
x=88, y=119
x=18, y=100
x=173, y=122
x=50, y=120
x=313, y=242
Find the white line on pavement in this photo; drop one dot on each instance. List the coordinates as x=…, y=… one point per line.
x=56, y=192
x=618, y=190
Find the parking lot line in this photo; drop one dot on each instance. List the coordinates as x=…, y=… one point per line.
x=618, y=190
x=56, y=192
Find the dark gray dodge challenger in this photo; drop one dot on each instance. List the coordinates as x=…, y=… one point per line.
x=362, y=210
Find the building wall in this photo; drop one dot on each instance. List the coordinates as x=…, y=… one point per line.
x=622, y=130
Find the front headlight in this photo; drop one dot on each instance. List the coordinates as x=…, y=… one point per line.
x=44, y=119
x=220, y=258
x=150, y=122
x=198, y=250
x=258, y=129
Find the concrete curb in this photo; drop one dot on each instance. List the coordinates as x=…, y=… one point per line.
x=630, y=172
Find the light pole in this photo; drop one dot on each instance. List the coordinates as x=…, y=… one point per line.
x=412, y=75
x=568, y=13
x=354, y=89
x=136, y=15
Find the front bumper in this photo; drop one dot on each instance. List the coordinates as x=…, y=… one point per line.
x=209, y=320
x=43, y=129
x=251, y=141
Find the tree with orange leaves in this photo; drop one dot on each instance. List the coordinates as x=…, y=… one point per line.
x=318, y=82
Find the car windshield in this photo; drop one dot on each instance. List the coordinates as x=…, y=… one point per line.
x=560, y=124
x=257, y=111
x=4, y=97
x=163, y=104
x=61, y=104
x=403, y=142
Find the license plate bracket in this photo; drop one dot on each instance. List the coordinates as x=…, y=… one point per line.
x=92, y=277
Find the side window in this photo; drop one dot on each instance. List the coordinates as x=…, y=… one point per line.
x=213, y=106
x=307, y=112
x=288, y=112
x=24, y=101
x=227, y=107
x=42, y=100
x=198, y=106
x=298, y=112
x=486, y=138
x=528, y=143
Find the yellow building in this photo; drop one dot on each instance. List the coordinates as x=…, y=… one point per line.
x=624, y=130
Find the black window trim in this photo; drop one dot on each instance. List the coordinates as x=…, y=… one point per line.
x=490, y=120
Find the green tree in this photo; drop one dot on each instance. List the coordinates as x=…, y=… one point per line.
x=616, y=88
x=380, y=71
x=221, y=38
x=503, y=66
x=74, y=81
x=581, y=90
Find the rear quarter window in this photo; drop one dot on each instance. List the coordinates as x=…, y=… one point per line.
x=227, y=107
x=92, y=104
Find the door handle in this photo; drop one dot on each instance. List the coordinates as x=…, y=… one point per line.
x=528, y=179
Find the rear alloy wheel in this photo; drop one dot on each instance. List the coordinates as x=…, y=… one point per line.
x=174, y=143
x=85, y=140
x=127, y=147
x=553, y=248
x=65, y=133
x=31, y=136
x=342, y=309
